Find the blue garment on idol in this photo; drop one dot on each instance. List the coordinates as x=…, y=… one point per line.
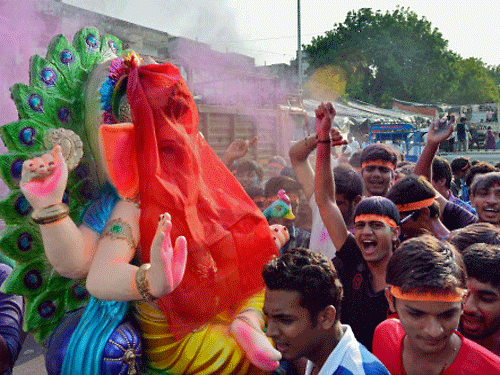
x=350, y=357
x=100, y=318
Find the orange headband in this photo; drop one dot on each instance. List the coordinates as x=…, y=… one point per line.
x=372, y=217
x=381, y=163
x=429, y=296
x=415, y=205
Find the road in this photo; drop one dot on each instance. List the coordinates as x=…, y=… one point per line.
x=488, y=156
x=31, y=360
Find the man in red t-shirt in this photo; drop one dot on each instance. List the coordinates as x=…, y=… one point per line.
x=480, y=321
x=427, y=281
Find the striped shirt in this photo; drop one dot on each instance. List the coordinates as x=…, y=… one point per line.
x=348, y=358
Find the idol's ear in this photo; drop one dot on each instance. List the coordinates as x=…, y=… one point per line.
x=120, y=157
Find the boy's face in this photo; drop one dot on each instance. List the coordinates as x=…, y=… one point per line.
x=429, y=325
x=375, y=239
x=481, y=317
x=377, y=179
x=289, y=325
x=247, y=178
x=345, y=206
x=487, y=204
x=274, y=170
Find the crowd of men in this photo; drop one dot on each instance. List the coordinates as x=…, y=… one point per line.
x=395, y=269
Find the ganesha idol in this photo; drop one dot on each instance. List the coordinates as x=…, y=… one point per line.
x=169, y=246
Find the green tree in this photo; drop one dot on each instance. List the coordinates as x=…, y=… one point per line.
x=473, y=83
x=494, y=72
x=399, y=55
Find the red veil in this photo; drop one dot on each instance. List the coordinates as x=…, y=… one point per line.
x=229, y=239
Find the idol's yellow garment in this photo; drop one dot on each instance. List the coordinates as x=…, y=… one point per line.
x=209, y=350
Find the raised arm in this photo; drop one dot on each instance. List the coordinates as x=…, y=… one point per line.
x=299, y=157
x=236, y=150
x=69, y=249
x=435, y=136
x=423, y=166
x=112, y=277
x=324, y=183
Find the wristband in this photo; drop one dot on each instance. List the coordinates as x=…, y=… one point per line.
x=50, y=214
x=142, y=283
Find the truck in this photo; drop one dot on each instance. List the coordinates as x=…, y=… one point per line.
x=400, y=135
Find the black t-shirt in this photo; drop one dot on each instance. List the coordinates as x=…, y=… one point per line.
x=362, y=308
x=456, y=217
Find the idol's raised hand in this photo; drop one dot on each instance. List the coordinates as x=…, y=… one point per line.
x=167, y=263
x=44, y=179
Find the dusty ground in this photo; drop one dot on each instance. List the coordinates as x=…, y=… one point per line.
x=31, y=360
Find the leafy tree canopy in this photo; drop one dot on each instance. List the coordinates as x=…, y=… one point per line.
x=399, y=55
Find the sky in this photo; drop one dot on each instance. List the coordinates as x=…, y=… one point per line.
x=263, y=29
x=267, y=29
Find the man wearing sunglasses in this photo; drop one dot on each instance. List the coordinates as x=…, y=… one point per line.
x=416, y=201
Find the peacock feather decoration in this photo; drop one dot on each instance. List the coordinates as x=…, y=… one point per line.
x=49, y=107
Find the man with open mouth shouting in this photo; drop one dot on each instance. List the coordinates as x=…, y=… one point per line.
x=480, y=320
x=362, y=257
x=485, y=197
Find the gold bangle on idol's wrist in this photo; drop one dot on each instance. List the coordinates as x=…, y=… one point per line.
x=143, y=284
x=50, y=214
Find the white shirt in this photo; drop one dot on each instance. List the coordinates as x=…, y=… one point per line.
x=320, y=241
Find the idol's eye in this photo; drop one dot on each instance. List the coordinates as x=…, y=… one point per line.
x=167, y=150
x=120, y=105
x=177, y=104
x=170, y=153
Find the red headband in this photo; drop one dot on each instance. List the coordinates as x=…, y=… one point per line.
x=372, y=217
x=380, y=163
x=415, y=205
x=455, y=296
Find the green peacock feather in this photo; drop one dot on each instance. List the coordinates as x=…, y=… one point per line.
x=53, y=99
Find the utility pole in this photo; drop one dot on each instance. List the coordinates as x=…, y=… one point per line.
x=299, y=50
